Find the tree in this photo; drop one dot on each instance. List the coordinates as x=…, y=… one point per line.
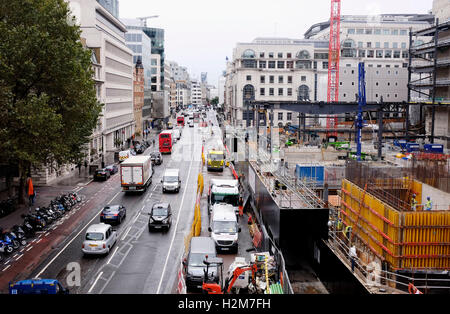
x=215, y=101
x=48, y=104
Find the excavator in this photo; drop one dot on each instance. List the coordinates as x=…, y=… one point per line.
x=209, y=287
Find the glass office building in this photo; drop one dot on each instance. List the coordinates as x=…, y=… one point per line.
x=111, y=5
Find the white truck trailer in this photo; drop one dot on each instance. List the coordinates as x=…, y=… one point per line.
x=136, y=173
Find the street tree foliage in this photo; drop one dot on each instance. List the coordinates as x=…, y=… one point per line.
x=48, y=104
x=215, y=101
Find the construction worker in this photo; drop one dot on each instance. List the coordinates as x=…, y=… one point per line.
x=353, y=255
x=413, y=203
x=428, y=204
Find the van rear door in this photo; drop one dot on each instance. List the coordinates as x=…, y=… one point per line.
x=138, y=177
x=127, y=176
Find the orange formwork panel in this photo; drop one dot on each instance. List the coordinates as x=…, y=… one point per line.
x=404, y=239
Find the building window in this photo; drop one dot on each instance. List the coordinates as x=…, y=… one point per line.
x=262, y=64
x=303, y=64
x=280, y=116
x=249, y=77
x=280, y=92
x=280, y=64
x=369, y=44
x=262, y=79
x=368, y=31
x=386, y=32
x=360, y=31
x=261, y=54
x=403, y=46
x=377, y=45
x=351, y=31
x=388, y=53
x=395, y=32
x=325, y=65
x=262, y=91
x=271, y=64
x=280, y=79
x=270, y=54
x=303, y=78
x=280, y=55
x=361, y=53
x=379, y=53
x=403, y=32
x=249, y=64
x=396, y=54
x=289, y=80
x=289, y=64
x=405, y=54
x=289, y=91
x=360, y=44
x=271, y=91
x=303, y=93
x=370, y=53
x=386, y=45
x=289, y=55
x=271, y=79
x=289, y=115
x=248, y=54
x=405, y=65
x=395, y=45
x=377, y=31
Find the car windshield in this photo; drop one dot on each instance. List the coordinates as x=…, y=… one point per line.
x=94, y=236
x=156, y=155
x=170, y=179
x=111, y=209
x=224, y=227
x=196, y=259
x=216, y=156
x=158, y=211
x=229, y=199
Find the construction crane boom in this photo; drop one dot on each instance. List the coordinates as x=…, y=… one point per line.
x=333, y=62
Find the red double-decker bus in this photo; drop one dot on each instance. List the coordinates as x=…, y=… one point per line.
x=165, y=142
x=180, y=121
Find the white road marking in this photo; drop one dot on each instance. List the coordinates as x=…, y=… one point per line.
x=19, y=257
x=98, y=277
x=6, y=267
x=174, y=233
x=112, y=255
x=126, y=233
x=114, y=197
x=29, y=248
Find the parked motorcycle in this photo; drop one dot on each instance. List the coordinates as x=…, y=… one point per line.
x=6, y=248
x=9, y=239
x=37, y=222
x=25, y=231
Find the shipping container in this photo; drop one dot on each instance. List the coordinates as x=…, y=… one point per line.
x=310, y=173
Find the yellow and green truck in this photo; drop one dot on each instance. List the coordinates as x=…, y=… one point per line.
x=215, y=160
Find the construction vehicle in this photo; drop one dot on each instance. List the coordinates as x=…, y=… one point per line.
x=211, y=287
x=224, y=191
x=216, y=160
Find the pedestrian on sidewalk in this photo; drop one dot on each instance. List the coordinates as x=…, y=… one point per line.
x=31, y=191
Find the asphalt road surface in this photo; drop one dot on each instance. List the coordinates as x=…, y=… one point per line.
x=140, y=261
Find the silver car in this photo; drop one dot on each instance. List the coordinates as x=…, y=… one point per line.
x=99, y=239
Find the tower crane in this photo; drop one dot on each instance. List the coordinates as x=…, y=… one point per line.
x=145, y=18
x=333, y=63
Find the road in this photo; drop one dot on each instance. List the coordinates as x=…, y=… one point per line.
x=141, y=261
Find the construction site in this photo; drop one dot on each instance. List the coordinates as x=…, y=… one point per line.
x=363, y=202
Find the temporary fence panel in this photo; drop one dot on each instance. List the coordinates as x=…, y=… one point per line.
x=405, y=239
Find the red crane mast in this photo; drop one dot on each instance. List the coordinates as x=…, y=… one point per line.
x=333, y=63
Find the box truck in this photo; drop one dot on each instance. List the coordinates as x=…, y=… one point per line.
x=136, y=173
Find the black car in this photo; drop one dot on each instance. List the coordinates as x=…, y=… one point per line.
x=156, y=158
x=102, y=174
x=160, y=216
x=139, y=149
x=112, y=169
x=113, y=213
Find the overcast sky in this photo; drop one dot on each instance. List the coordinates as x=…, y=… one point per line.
x=200, y=34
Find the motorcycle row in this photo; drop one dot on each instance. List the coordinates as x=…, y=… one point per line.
x=35, y=221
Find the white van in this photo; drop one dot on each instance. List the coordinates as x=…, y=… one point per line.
x=125, y=154
x=224, y=227
x=171, y=180
x=99, y=239
x=176, y=133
